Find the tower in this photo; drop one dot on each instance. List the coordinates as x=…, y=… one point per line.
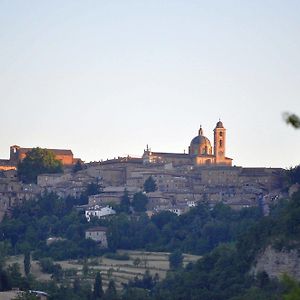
x=14, y=154
x=220, y=143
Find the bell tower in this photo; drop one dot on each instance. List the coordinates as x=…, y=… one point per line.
x=220, y=143
x=14, y=154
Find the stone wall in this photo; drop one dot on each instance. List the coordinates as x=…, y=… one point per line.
x=276, y=263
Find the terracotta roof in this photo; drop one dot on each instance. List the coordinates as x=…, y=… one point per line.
x=55, y=151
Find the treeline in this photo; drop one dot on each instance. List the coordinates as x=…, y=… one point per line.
x=49, y=216
x=197, y=231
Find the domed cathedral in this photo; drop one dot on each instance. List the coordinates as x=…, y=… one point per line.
x=202, y=152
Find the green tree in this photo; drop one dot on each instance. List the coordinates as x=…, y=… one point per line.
x=150, y=185
x=139, y=202
x=137, y=261
x=85, y=268
x=111, y=292
x=98, y=289
x=36, y=162
x=293, y=288
x=27, y=264
x=15, y=275
x=176, y=259
x=292, y=119
x=125, y=202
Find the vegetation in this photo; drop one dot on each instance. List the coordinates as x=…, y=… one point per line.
x=176, y=259
x=150, y=185
x=98, y=289
x=117, y=256
x=38, y=161
x=292, y=119
x=125, y=203
x=196, y=232
x=229, y=241
x=78, y=166
x=293, y=175
x=139, y=202
x=27, y=264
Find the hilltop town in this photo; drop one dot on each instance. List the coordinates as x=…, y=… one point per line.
x=204, y=174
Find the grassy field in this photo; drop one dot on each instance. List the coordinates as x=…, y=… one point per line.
x=121, y=271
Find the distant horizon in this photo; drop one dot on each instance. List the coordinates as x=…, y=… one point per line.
x=106, y=78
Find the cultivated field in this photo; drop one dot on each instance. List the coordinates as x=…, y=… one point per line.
x=121, y=271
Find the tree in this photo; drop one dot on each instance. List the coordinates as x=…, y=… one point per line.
x=176, y=259
x=98, y=289
x=139, y=202
x=36, y=162
x=294, y=175
x=111, y=292
x=27, y=264
x=125, y=202
x=137, y=261
x=85, y=268
x=150, y=185
x=293, y=288
x=292, y=119
x=78, y=166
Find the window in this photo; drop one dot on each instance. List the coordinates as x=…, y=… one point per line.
x=221, y=133
x=221, y=143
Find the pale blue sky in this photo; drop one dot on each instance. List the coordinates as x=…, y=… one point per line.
x=105, y=78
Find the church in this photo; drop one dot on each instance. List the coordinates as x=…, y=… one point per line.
x=200, y=151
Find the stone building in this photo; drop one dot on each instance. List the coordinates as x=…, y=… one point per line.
x=18, y=153
x=97, y=234
x=200, y=153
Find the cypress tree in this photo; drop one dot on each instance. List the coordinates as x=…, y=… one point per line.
x=98, y=289
x=27, y=264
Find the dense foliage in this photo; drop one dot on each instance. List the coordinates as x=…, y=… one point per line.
x=150, y=185
x=49, y=216
x=224, y=273
x=228, y=239
x=38, y=161
x=197, y=231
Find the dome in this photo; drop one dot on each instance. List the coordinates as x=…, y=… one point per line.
x=200, y=140
x=200, y=145
x=220, y=125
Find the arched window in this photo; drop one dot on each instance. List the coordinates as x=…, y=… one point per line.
x=221, y=143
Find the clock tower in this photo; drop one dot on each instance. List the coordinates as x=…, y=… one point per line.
x=219, y=143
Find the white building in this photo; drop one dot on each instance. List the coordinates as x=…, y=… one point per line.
x=99, y=212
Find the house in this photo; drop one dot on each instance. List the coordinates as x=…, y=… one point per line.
x=97, y=234
x=99, y=212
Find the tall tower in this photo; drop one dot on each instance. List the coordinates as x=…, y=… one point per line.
x=14, y=154
x=219, y=143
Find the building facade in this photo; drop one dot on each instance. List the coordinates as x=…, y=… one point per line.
x=200, y=151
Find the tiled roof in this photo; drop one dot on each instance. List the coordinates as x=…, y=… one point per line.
x=97, y=228
x=55, y=151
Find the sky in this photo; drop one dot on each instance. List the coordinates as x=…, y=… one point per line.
x=105, y=78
